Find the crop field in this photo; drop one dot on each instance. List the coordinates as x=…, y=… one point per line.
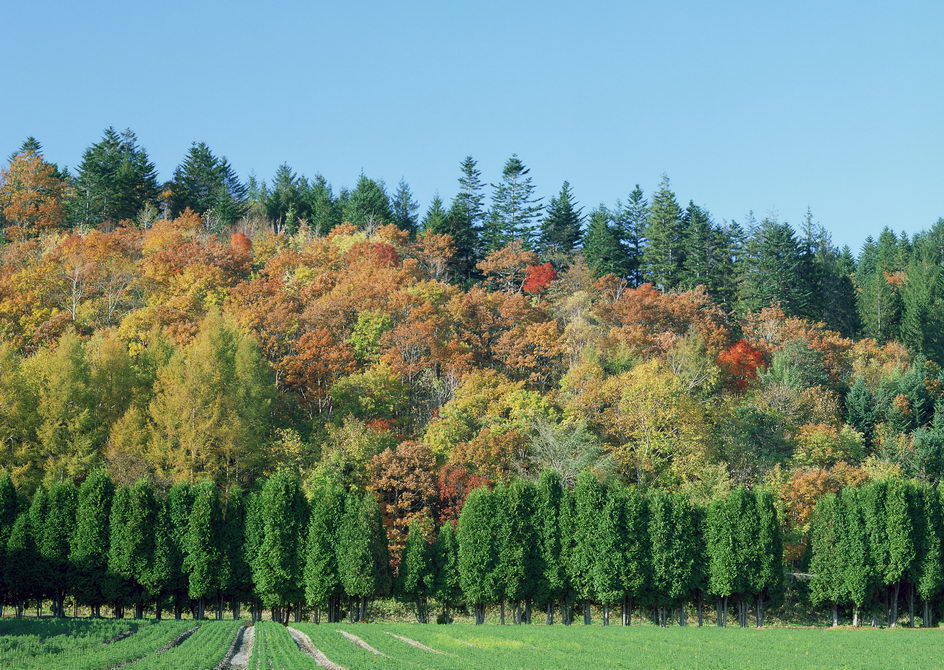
x=188, y=645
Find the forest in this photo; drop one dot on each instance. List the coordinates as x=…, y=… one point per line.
x=457, y=375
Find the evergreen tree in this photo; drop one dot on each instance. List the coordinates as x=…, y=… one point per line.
x=877, y=281
x=900, y=535
x=207, y=185
x=179, y=505
x=721, y=544
x=631, y=221
x=673, y=523
x=636, y=570
x=321, y=205
x=478, y=559
x=588, y=501
x=9, y=508
x=551, y=586
x=464, y=220
x=284, y=203
x=239, y=583
x=448, y=588
x=368, y=204
x=404, y=208
x=768, y=547
x=663, y=257
x=24, y=573
x=515, y=210
x=132, y=552
x=416, y=574
x=929, y=571
x=58, y=525
x=363, y=563
x=114, y=181
x=773, y=271
x=518, y=565
x=436, y=219
x=826, y=583
x=278, y=565
x=322, y=580
x=857, y=573
x=860, y=408
x=561, y=228
x=611, y=559
x=602, y=248
x=204, y=560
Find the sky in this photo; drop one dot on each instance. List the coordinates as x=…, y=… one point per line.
x=747, y=106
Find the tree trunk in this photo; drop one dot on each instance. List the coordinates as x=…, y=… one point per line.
x=157, y=609
x=501, y=618
x=701, y=609
x=855, y=616
x=565, y=613
x=234, y=606
x=527, y=611
x=893, y=621
x=550, y=613
x=760, y=611
x=683, y=621
x=586, y=612
x=926, y=619
x=911, y=606
x=626, y=614
x=835, y=609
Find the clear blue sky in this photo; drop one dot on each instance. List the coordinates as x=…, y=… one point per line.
x=746, y=105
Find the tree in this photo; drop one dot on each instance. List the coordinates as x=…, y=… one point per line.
x=514, y=208
x=551, y=584
x=205, y=562
x=33, y=196
x=478, y=559
x=179, y=505
x=603, y=247
x=24, y=575
x=322, y=579
x=663, y=257
x=773, y=271
x=519, y=566
x=9, y=508
x=561, y=227
x=589, y=499
x=404, y=208
x=284, y=202
x=929, y=571
x=768, y=547
x=89, y=542
x=363, y=561
x=673, y=523
x=133, y=547
x=611, y=558
x=57, y=526
x=368, y=205
x=826, y=583
x=436, y=219
x=857, y=570
x=631, y=221
x=208, y=185
x=238, y=585
x=114, y=181
x=447, y=586
x=416, y=576
x=278, y=564
x=721, y=546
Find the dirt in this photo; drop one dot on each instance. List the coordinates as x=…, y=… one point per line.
x=304, y=643
x=119, y=637
x=414, y=643
x=243, y=653
x=360, y=643
x=177, y=641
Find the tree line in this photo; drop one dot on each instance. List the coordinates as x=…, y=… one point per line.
x=524, y=544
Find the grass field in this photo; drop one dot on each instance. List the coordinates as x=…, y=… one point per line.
x=95, y=645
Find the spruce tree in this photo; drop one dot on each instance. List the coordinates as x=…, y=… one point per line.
x=435, y=220
x=42, y=570
x=283, y=202
x=514, y=210
x=631, y=221
x=321, y=205
x=561, y=228
x=773, y=271
x=114, y=180
x=207, y=184
x=368, y=204
x=878, y=295
x=602, y=248
x=663, y=257
x=404, y=208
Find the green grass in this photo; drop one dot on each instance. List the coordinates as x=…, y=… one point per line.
x=541, y=647
x=30, y=644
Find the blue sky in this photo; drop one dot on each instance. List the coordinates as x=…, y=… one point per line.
x=770, y=107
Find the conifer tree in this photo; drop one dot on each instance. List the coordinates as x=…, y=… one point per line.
x=663, y=257
x=551, y=585
x=9, y=508
x=877, y=285
x=478, y=559
x=284, y=203
x=252, y=542
x=114, y=181
x=58, y=525
x=204, y=560
x=900, y=535
x=602, y=248
x=721, y=545
x=515, y=210
x=134, y=549
x=519, y=566
x=611, y=558
x=404, y=208
x=207, y=184
x=826, y=583
x=239, y=583
x=368, y=204
x=278, y=565
x=179, y=504
x=416, y=576
x=857, y=571
x=24, y=573
x=588, y=501
x=929, y=571
x=636, y=570
x=435, y=220
x=768, y=584
x=321, y=205
x=448, y=589
x=363, y=563
x=773, y=271
x=631, y=221
x=561, y=228
x=41, y=569
x=322, y=580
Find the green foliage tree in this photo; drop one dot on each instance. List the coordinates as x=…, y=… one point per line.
x=448, y=587
x=208, y=185
x=363, y=563
x=663, y=259
x=278, y=563
x=204, y=562
x=603, y=248
x=322, y=579
x=478, y=559
x=514, y=210
x=416, y=575
x=561, y=228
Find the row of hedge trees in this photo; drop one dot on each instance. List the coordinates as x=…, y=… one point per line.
x=522, y=544
x=873, y=544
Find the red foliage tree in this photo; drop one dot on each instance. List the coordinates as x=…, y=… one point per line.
x=455, y=482
x=539, y=277
x=740, y=363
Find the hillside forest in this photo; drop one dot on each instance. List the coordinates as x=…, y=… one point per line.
x=208, y=329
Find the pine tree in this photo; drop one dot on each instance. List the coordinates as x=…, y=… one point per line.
x=448, y=589
x=514, y=209
x=464, y=220
x=284, y=203
x=561, y=228
x=322, y=580
x=860, y=408
x=877, y=285
x=416, y=574
x=602, y=248
x=631, y=221
x=404, y=208
x=114, y=181
x=663, y=257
